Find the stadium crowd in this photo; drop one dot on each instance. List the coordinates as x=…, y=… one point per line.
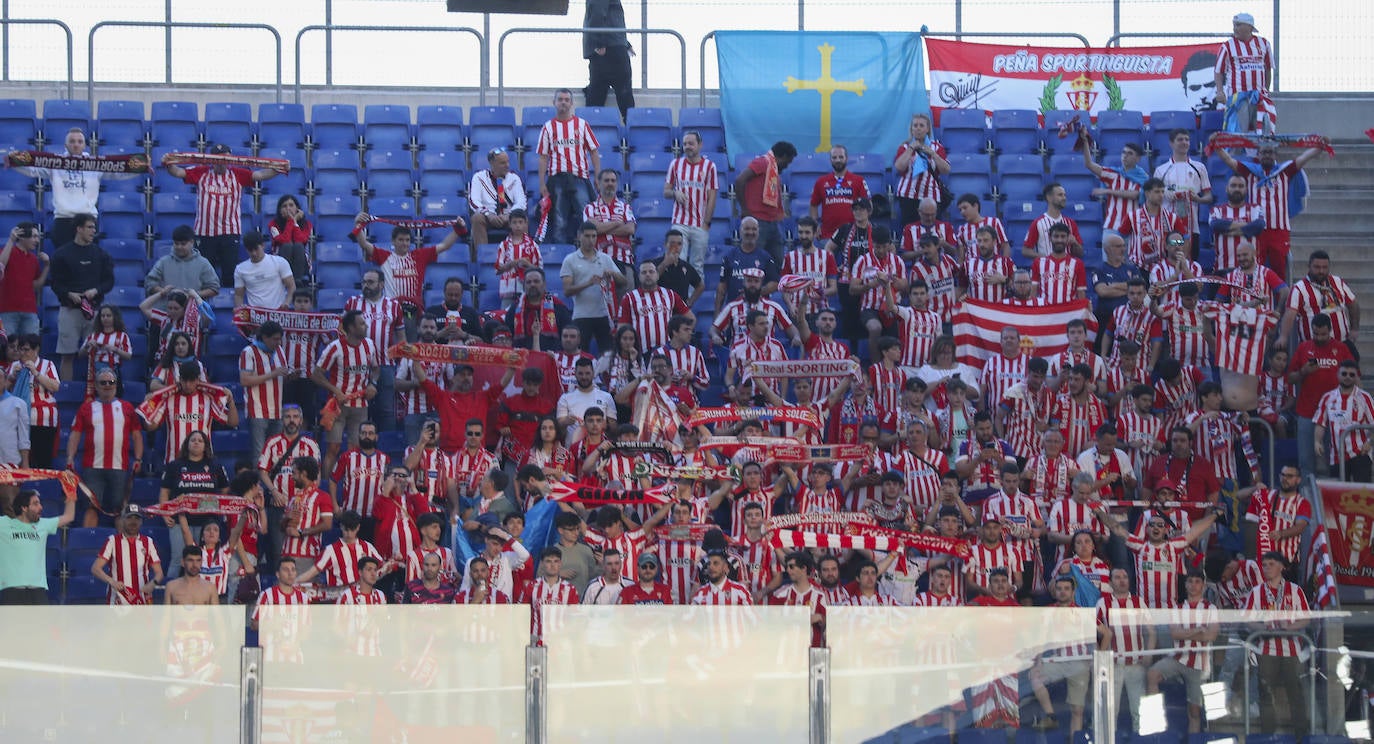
x=848, y=394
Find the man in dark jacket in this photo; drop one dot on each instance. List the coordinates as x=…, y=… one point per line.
x=82, y=274
x=607, y=55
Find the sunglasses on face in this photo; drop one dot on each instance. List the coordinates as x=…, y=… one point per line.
x=105, y=383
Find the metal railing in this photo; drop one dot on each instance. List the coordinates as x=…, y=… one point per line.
x=5, y=24
x=329, y=29
x=959, y=35
x=641, y=32
x=167, y=59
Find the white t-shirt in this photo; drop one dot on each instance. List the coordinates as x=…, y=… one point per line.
x=262, y=281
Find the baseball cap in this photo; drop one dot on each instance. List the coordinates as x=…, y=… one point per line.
x=132, y=510
x=1166, y=484
x=220, y=149
x=648, y=558
x=1244, y=18
x=862, y=202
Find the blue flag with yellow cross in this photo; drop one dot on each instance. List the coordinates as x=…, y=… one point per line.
x=816, y=89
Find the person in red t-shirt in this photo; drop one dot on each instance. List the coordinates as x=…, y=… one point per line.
x=460, y=403
x=649, y=589
x=1314, y=370
x=760, y=187
x=403, y=268
x=23, y=271
x=834, y=193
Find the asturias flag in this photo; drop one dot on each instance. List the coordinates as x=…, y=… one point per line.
x=817, y=89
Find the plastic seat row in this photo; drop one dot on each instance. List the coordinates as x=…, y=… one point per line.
x=1022, y=131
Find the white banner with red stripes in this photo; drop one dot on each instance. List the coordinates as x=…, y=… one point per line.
x=1007, y=76
x=978, y=328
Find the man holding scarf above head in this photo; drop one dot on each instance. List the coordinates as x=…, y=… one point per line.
x=760, y=187
x=219, y=206
x=403, y=268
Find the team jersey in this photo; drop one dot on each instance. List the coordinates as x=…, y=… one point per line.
x=1215, y=441
x=339, y=561
x=977, y=270
x=1186, y=330
x=920, y=180
x=967, y=235
x=1038, y=236
x=912, y=234
x=1149, y=233
x=1241, y=334
x=1157, y=567
x=1024, y=412
x=1136, y=324
x=130, y=562
x=1243, y=64
x=418, y=593
x=44, y=404
x=349, y=367
x=1177, y=399
x=187, y=413
x=870, y=265
x=1226, y=246
x=1078, y=420
x=985, y=558
x=818, y=266
x=107, y=429
x=1133, y=427
x=1188, y=178
x=1017, y=514
x=1288, y=597
x=940, y=279
x=1270, y=193
x=734, y=313
x=649, y=312
x=382, y=316
x=415, y=563
x=219, y=197
x=1275, y=512
x=1332, y=298
x=918, y=330
x=695, y=181
x=618, y=247
x=1000, y=373
x=115, y=339
x=1047, y=479
x=1069, y=516
x=1117, y=613
x=834, y=194
x=539, y=594
x=1192, y=616
x=813, y=599
x=1117, y=209
x=1260, y=280
x=303, y=511
x=1061, y=278
x=567, y=145
x=264, y=399
x=403, y=277
x=280, y=449
x=1338, y=412
x=510, y=251
x=1070, y=357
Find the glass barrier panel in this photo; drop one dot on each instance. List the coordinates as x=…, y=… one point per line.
x=679, y=674
x=394, y=673
x=98, y=673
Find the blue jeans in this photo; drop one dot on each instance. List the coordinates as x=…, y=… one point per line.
x=259, y=430
x=570, y=196
x=382, y=409
x=770, y=239
x=1307, y=452
x=696, y=240
x=110, y=488
x=19, y=323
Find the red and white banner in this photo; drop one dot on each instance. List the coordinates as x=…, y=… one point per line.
x=1348, y=510
x=978, y=328
x=1002, y=76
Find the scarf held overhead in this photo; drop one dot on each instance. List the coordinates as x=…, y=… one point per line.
x=89, y=163
x=793, y=368
x=766, y=415
x=593, y=496
x=476, y=355
x=244, y=161
x=248, y=318
x=71, y=483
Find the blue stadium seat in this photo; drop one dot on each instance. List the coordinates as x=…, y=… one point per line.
x=336, y=159
x=441, y=207
x=801, y=175
x=291, y=182
x=87, y=539
x=1208, y=122
x=126, y=250
x=707, y=122
x=123, y=297
x=649, y=129
x=156, y=531
x=84, y=589
x=334, y=126
x=175, y=125
x=1050, y=132
x=647, y=171
x=281, y=125
x=964, y=130
x=334, y=215
x=442, y=161
x=129, y=274
x=391, y=207
x=439, y=128
x=61, y=114
x=969, y=173
x=17, y=206
x=1163, y=122
x=337, y=251
x=145, y=490
x=532, y=119
x=490, y=127
x=229, y=442
x=331, y=299
x=1016, y=131
x=1020, y=176
x=170, y=210
x=122, y=214
x=442, y=183
x=335, y=183
x=605, y=122
x=386, y=127
x=873, y=167
x=120, y=124
x=1117, y=128
x=229, y=124
x=389, y=172
x=1068, y=170
x=17, y=119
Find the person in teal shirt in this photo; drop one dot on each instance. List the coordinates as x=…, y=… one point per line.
x=23, y=548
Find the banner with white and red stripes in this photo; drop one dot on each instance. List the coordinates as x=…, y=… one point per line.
x=1007, y=76
x=978, y=328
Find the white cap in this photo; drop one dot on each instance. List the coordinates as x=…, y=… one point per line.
x=1245, y=18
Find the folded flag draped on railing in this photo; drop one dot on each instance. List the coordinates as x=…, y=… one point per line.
x=978, y=328
x=1319, y=567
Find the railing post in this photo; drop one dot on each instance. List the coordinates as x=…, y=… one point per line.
x=250, y=695
x=328, y=45
x=818, y=695
x=536, y=694
x=167, y=38
x=1245, y=701
x=5, y=54
x=1104, y=697
x=1274, y=82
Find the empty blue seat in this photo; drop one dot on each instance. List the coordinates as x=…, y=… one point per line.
x=334, y=126
x=62, y=114
x=872, y=166
x=175, y=125
x=1118, y=128
x=963, y=130
x=120, y=124
x=391, y=207
x=1020, y=176
x=1085, y=212
x=84, y=590
x=86, y=539
x=332, y=299
x=439, y=128
x=337, y=252
x=805, y=169
x=128, y=274
x=229, y=442
x=532, y=119
x=649, y=129
x=124, y=297
x=442, y=183
x=705, y=121
x=334, y=215
x=229, y=124
x=443, y=207
x=126, y=250
x=1208, y=122
x=1068, y=170
x=605, y=123
x=386, y=127
x=336, y=159
x=1016, y=131
x=172, y=209
x=969, y=173
x=145, y=490
x=281, y=125
x=490, y=127
x=648, y=170
x=122, y=214
x=17, y=119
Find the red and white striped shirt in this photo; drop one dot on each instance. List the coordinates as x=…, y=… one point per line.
x=44, y=404
x=1243, y=64
x=922, y=476
x=1128, y=627
x=1176, y=400
x=189, y=325
x=689, y=365
x=1276, y=393
x=1157, y=567
x=106, y=430
x=1038, y=236
x=509, y=251
x=469, y=467
x=1136, y=324
x=929, y=599
x=187, y=413
x=300, y=350
x=355, y=596
x=1288, y=597
x=734, y=313
x=1070, y=357
x=129, y=561
x=403, y=277
x=727, y=592
x=818, y=266
x=275, y=449
x=1024, y=414
x=1241, y=334
x=1164, y=272
x=539, y=593
x=817, y=347
x=1048, y=480
x=415, y=563
x=1215, y=441
x=742, y=498
x=1116, y=209
x=919, y=329
x=919, y=182
x=1260, y=279
x=1284, y=513
x=630, y=544
x=213, y=565
x=1060, y=278
x=1271, y=195
x=1149, y=232
x=858, y=599
x=694, y=181
x=976, y=271
x=1226, y=246
x=1232, y=593
x=747, y=350
x=1015, y=511
x=339, y=561
x=118, y=340
x=679, y=559
x=618, y=247
x=1338, y=412
x=1308, y=298
x=275, y=596
x=264, y=399
x=360, y=475
x=966, y=235
x=568, y=144
x=940, y=279
x=1000, y=373
x=760, y=562
x=305, y=510
x=416, y=400
x=1186, y=330
x=985, y=558
x=219, y=198
x=382, y=316
x=1068, y=516
x=1133, y=426
x=1192, y=616
x=809, y=502
x=349, y=367
x=397, y=534
x=649, y=313
x=886, y=385
x=870, y=264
